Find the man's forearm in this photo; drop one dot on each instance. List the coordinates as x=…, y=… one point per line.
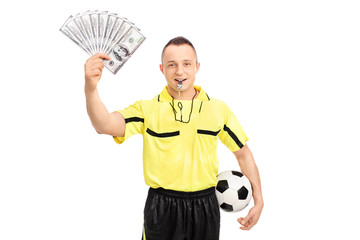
x=97, y=111
x=249, y=168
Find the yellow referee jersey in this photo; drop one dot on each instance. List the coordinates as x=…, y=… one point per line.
x=180, y=139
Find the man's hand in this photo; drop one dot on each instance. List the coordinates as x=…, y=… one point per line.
x=93, y=70
x=252, y=218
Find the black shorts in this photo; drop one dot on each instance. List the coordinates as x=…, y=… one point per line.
x=173, y=215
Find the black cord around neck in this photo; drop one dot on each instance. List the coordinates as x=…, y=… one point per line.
x=181, y=107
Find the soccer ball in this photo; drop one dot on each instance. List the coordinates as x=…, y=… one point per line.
x=233, y=191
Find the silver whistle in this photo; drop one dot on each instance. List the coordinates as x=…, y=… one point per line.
x=179, y=86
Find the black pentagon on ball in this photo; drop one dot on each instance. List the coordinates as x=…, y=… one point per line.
x=226, y=207
x=222, y=185
x=237, y=173
x=243, y=193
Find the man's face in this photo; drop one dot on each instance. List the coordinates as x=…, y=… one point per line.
x=179, y=64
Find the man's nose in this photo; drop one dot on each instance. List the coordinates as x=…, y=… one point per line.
x=180, y=70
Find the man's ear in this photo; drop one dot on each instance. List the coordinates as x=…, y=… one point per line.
x=161, y=68
x=197, y=67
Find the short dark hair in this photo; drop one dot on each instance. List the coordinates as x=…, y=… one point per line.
x=179, y=41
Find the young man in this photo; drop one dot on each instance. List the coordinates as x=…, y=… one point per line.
x=180, y=128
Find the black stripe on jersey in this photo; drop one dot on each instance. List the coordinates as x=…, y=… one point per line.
x=233, y=136
x=134, y=119
x=207, y=96
x=207, y=132
x=200, y=106
x=162, y=135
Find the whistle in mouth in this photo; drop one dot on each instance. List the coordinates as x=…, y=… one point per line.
x=179, y=86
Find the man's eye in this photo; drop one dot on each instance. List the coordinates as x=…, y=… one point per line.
x=187, y=64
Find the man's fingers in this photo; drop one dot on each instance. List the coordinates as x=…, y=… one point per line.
x=248, y=217
x=245, y=221
x=248, y=222
x=96, y=66
x=96, y=72
x=245, y=228
x=241, y=221
x=97, y=58
x=101, y=56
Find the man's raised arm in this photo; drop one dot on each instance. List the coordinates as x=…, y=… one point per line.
x=104, y=122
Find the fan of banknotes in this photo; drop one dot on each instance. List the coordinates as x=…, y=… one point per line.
x=104, y=32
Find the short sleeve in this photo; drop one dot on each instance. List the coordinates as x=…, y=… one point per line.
x=134, y=121
x=232, y=134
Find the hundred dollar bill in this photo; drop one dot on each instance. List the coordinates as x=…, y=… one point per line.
x=122, y=27
x=123, y=49
x=75, y=28
x=109, y=25
x=82, y=28
x=84, y=20
x=94, y=27
x=71, y=32
x=103, y=16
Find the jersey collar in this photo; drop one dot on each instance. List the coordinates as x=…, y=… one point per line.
x=164, y=96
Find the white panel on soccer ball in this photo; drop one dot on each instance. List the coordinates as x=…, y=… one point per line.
x=235, y=182
x=230, y=196
x=240, y=204
x=224, y=175
x=219, y=197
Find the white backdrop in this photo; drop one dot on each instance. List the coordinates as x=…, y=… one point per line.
x=287, y=69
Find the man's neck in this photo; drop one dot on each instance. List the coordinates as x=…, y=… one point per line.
x=190, y=94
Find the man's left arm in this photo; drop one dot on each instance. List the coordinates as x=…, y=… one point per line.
x=249, y=169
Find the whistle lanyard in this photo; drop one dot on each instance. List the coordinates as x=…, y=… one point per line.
x=180, y=106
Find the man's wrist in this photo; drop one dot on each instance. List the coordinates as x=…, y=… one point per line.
x=258, y=199
x=89, y=90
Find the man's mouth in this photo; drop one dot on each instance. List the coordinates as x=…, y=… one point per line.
x=180, y=83
x=181, y=79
